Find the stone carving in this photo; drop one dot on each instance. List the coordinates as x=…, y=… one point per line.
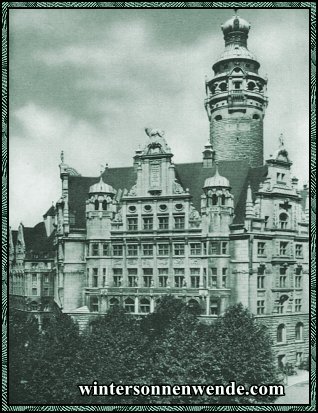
x=177, y=188
x=178, y=261
x=118, y=217
x=154, y=132
x=147, y=263
x=133, y=191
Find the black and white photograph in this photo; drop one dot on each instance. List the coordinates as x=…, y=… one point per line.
x=159, y=206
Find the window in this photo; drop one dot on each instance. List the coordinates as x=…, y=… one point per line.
x=266, y=219
x=132, y=277
x=95, y=277
x=224, y=277
x=163, y=277
x=280, y=308
x=214, y=277
x=223, y=199
x=298, y=305
x=117, y=250
x=96, y=205
x=298, y=280
x=94, y=304
x=179, y=222
x=282, y=281
x=260, y=307
x=214, y=248
x=147, y=278
x=299, y=329
x=281, y=333
x=261, y=248
x=105, y=249
x=34, y=277
x=118, y=273
x=34, y=291
x=195, y=248
x=179, y=280
x=214, y=199
x=113, y=302
x=147, y=249
x=178, y=249
x=104, y=205
x=283, y=248
x=95, y=249
x=144, y=305
x=299, y=250
x=129, y=305
x=163, y=249
x=195, y=281
x=224, y=247
x=132, y=250
x=283, y=220
x=214, y=307
x=132, y=224
x=45, y=291
x=163, y=222
x=46, y=278
x=260, y=281
x=148, y=223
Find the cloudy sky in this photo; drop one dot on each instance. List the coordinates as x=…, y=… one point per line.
x=89, y=81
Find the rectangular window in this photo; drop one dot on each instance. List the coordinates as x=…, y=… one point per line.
x=163, y=271
x=147, y=280
x=147, y=271
x=163, y=280
x=94, y=304
x=95, y=277
x=163, y=222
x=299, y=250
x=132, y=277
x=261, y=281
x=45, y=291
x=224, y=277
x=298, y=281
x=132, y=224
x=179, y=281
x=34, y=291
x=282, y=281
x=118, y=250
x=195, y=281
x=163, y=249
x=104, y=280
x=105, y=249
x=195, y=248
x=34, y=277
x=147, y=249
x=95, y=249
x=214, y=248
x=283, y=248
x=148, y=223
x=280, y=308
x=224, y=248
x=179, y=222
x=260, y=307
x=266, y=219
x=261, y=248
x=132, y=250
x=195, y=271
x=46, y=278
x=205, y=249
x=214, y=308
x=298, y=305
x=117, y=277
x=178, y=249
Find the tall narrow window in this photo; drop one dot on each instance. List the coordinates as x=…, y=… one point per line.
x=299, y=331
x=281, y=333
x=283, y=220
x=95, y=249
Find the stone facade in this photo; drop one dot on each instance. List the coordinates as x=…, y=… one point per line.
x=213, y=234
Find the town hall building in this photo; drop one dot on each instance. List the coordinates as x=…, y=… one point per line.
x=230, y=229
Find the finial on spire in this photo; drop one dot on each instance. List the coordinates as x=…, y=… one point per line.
x=62, y=156
x=217, y=168
x=281, y=140
x=235, y=11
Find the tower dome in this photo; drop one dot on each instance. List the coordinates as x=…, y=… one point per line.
x=217, y=181
x=101, y=187
x=235, y=23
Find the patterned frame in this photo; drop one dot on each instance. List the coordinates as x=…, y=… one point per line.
x=5, y=8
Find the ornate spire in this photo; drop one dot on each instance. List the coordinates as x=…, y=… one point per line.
x=249, y=208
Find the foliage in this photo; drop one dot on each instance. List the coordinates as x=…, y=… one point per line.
x=170, y=346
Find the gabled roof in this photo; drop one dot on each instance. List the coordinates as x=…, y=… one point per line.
x=50, y=212
x=189, y=175
x=36, y=241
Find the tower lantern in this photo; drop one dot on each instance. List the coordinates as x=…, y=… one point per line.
x=236, y=98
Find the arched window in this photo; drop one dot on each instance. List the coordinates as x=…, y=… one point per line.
x=144, y=305
x=218, y=117
x=96, y=205
x=299, y=329
x=223, y=199
x=113, y=302
x=251, y=85
x=104, y=205
x=214, y=199
x=281, y=333
x=256, y=116
x=283, y=220
x=129, y=305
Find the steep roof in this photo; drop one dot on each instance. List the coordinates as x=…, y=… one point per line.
x=36, y=240
x=50, y=212
x=190, y=175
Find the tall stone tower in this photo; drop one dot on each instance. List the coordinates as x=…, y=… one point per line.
x=236, y=99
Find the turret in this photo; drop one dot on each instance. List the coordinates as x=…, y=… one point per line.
x=236, y=98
